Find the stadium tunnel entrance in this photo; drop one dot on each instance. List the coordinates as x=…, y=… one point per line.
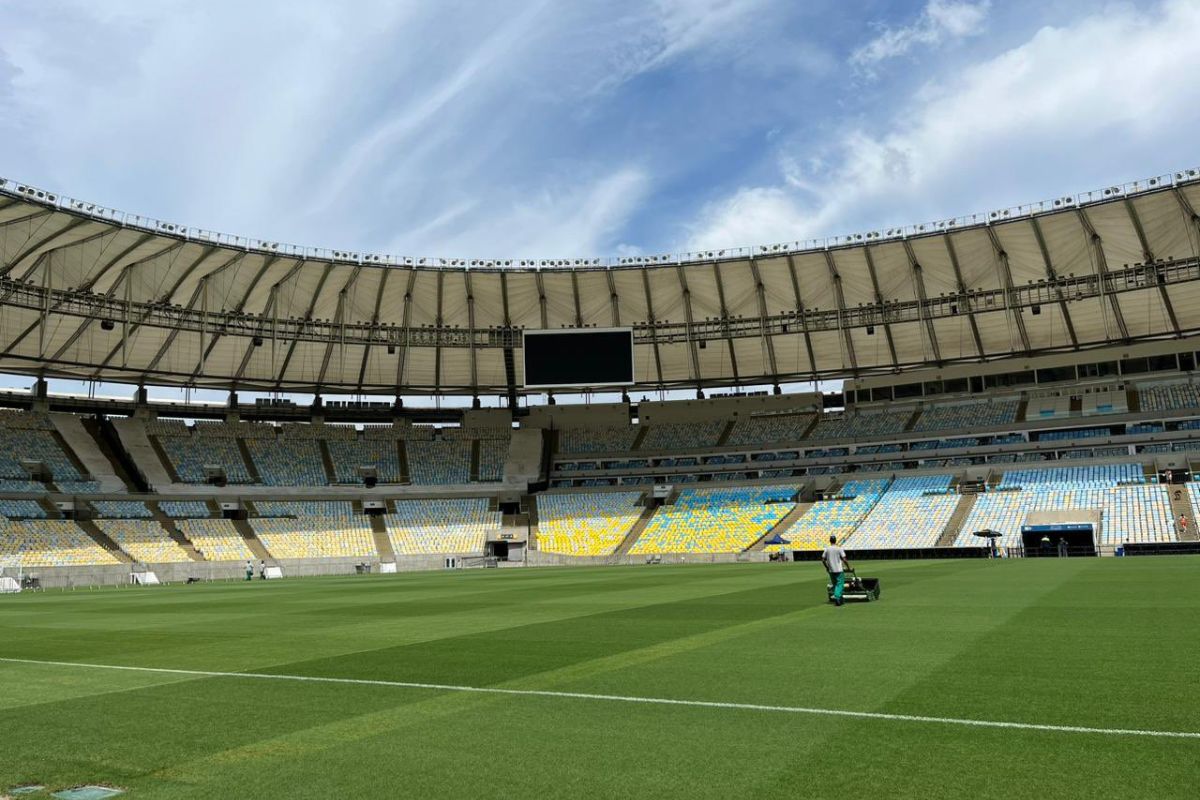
x=1061, y=540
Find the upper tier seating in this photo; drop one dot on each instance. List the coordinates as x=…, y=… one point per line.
x=492, y=454
x=304, y=508
x=145, y=540
x=586, y=524
x=833, y=517
x=1171, y=396
x=22, y=509
x=32, y=444
x=495, y=433
x=78, y=487
x=121, y=509
x=182, y=509
x=1131, y=513
x=450, y=526
x=770, y=429
x=316, y=537
x=1080, y=433
x=437, y=462
x=191, y=454
x=682, y=435
x=13, y=419
x=328, y=432
x=288, y=462
x=974, y=415
x=597, y=440
x=381, y=454
x=18, y=485
x=216, y=539
x=860, y=425
x=50, y=543
x=715, y=520
x=907, y=515
x=235, y=430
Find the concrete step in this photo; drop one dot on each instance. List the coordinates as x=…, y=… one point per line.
x=252, y=541
x=1181, y=505
x=327, y=460
x=84, y=450
x=965, y=503
x=635, y=532
x=383, y=542
x=780, y=527
x=173, y=531
x=251, y=467
x=102, y=539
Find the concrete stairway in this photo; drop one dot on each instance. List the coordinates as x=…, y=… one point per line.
x=102, y=539
x=965, y=503
x=327, y=461
x=252, y=540
x=173, y=531
x=150, y=460
x=780, y=527
x=725, y=433
x=635, y=532
x=1182, y=505
x=251, y=467
x=473, y=472
x=383, y=542
x=106, y=437
x=86, y=451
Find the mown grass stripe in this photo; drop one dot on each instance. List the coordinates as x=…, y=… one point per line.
x=661, y=701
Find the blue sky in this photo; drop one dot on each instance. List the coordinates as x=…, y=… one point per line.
x=589, y=128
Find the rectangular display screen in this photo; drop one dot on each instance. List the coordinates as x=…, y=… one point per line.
x=578, y=358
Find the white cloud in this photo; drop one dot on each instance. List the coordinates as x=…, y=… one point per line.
x=941, y=20
x=575, y=219
x=1067, y=110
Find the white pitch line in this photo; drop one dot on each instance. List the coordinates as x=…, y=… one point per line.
x=616, y=698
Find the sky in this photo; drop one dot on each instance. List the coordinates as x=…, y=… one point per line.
x=577, y=129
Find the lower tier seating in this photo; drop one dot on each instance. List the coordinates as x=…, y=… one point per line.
x=316, y=537
x=145, y=540
x=715, y=520
x=911, y=513
x=1130, y=513
x=50, y=543
x=216, y=539
x=833, y=517
x=450, y=526
x=586, y=523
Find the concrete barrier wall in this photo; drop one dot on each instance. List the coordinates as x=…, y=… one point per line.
x=120, y=575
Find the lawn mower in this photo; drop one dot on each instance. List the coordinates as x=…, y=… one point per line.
x=855, y=588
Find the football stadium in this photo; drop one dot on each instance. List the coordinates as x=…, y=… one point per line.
x=218, y=599
x=285, y=521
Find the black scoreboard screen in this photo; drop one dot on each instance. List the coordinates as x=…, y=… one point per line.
x=587, y=357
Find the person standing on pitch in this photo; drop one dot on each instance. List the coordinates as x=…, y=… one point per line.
x=249, y=570
x=834, y=559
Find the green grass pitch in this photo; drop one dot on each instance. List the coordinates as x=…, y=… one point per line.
x=1103, y=643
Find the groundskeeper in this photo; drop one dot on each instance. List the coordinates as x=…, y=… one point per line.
x=834, y=559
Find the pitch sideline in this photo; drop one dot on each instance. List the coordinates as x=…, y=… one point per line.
x=614, y=698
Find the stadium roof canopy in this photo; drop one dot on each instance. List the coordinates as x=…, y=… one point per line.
x=90, y=293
